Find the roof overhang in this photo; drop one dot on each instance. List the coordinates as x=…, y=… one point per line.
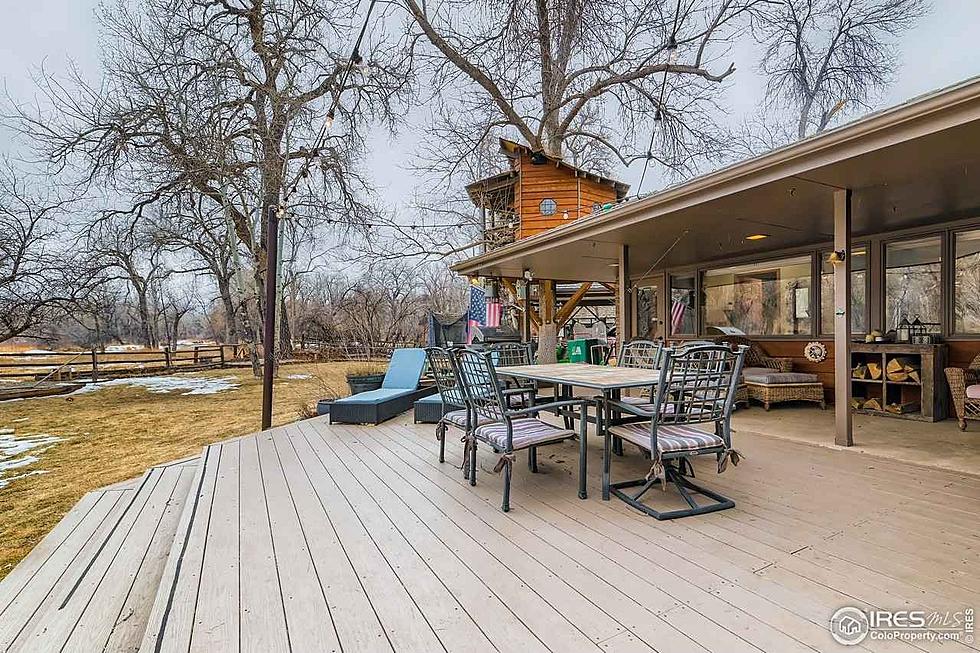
x=905, y=166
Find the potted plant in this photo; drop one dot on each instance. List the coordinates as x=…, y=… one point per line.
x=364, y=377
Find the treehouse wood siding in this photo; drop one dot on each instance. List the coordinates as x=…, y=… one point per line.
x=559, y=183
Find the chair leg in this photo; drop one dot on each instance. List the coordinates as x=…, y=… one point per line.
x=532, y=459
x=472, y=463
x=441, y=432
x=505, y=506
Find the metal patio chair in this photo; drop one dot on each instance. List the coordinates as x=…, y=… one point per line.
x=455, y=412
x=690, y=416
x=504, y=429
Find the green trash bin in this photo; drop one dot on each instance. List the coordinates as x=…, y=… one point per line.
x=580, y=351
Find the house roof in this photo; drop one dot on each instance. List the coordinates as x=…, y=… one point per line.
x=904, y=165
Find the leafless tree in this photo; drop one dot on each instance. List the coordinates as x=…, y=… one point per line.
x=576, y=79
x=39, y=277
x=224, y=99
x=828, y=58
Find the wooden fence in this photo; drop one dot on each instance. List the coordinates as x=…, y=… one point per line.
x=97, y=365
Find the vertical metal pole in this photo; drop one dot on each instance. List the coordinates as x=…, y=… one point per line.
x=842, y=320
x=624, y=324
x=269, y=334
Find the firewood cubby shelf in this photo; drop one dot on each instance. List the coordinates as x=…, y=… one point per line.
x=899, y=380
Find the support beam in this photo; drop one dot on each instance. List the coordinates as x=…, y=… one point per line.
x=565, y=312
x=624, y=322
x=548, y=330
x=842, y=320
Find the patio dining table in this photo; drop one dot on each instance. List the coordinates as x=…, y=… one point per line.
x=607, y=380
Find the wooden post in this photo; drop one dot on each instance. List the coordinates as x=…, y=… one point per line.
x=842, y=320
x=95, y=365
x=624, y=323
x=221, y=354
x=196, y=355
x=167, y=357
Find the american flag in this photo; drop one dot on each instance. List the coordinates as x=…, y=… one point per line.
x=495, y=309
x=677, y=316
x=477, y=313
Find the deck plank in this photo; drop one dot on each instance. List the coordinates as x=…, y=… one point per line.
x=216, y=619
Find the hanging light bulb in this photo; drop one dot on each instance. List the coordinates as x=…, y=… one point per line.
x=564, y=215
x=328, y=122
x=356, y=59
x=658, y=116
x=673, y=52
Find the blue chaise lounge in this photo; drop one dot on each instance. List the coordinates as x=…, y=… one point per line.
x=398, y=392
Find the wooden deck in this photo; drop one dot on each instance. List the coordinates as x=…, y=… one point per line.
x=331, y=538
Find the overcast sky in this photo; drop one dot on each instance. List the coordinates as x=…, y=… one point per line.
x=941, y=50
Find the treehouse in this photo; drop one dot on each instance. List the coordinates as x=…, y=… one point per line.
x=538, y=193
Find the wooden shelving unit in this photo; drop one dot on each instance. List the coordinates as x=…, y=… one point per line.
x=923, y=399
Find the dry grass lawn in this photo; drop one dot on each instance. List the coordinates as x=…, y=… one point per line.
x=116, y=433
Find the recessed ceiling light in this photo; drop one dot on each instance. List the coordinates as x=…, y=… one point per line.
x=756, y=236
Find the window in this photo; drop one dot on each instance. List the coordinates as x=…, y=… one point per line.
x=548, y=206
x=682, y=304
x=759, y=299
x=913, y=281
x=966, y=291
x=859, y=290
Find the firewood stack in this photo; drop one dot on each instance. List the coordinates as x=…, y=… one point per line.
x=901, y=369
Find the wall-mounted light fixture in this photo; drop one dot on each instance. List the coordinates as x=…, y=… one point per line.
x=756, y=236
x=837, y=257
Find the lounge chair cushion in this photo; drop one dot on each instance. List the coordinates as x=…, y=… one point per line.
x=458, y=418
x=671, y=438
x=374, y=396
x=973, y=392
x=404, y=369
x=527, y=432
x=769, y=376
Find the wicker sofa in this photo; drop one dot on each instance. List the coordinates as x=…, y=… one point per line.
x=770, y=380
x=964, y=385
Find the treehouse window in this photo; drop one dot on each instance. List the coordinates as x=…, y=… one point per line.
x=548, y=206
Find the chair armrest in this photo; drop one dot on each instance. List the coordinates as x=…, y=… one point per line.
x=518, y=391
x=630, y=408
x=779, y=364
x=957, y=379
x=537, y=408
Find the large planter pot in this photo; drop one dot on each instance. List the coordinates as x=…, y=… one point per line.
x=364, y=383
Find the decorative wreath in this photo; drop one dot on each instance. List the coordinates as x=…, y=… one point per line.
x=815, y=352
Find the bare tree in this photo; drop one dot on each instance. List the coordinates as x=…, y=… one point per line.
x=223, y=99
x=39, y=277
x=576, y=79
x=827, y=58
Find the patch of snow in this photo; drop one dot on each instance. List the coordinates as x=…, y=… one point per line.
x=299, y=377
x=13, y=454
x=40, y=351
x=186, y=385
x=4, y=482
x=117, y=348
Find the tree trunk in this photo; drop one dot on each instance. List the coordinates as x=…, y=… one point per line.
x=231, y=315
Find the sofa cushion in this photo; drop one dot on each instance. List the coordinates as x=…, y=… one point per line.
x=374, y=396
x=404, y=369
x=769, y=376
x=973, y=391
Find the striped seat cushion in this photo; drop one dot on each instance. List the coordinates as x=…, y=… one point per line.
x=671, y=438
x=458, y=418
x=527, y=432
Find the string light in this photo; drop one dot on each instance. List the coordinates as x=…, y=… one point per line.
x=673, y=54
